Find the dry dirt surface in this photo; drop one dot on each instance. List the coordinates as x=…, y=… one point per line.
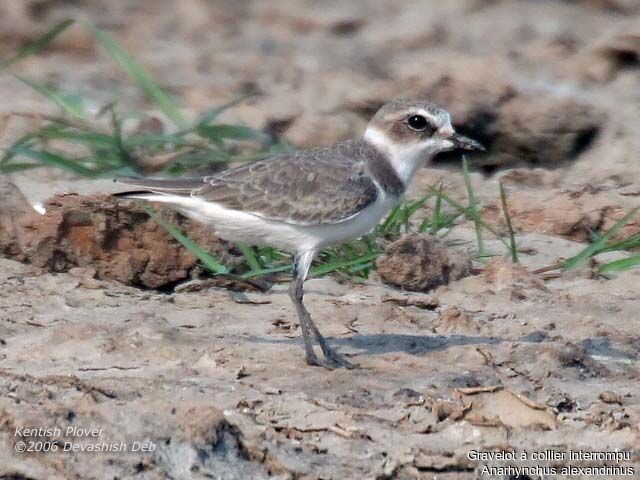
x=107, y=341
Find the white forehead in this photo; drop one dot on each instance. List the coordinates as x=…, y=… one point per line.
x=441, y=118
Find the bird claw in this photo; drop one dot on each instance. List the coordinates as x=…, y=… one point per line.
x=338, y=361
x=331, y=361
x=313, y=360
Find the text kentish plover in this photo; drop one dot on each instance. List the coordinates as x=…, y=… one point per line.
x=306, y=200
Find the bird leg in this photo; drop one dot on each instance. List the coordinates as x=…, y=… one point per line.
x=301, y=266
x=296, y=294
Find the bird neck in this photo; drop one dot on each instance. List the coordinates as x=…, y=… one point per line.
x=403, y=160
x=381, y=170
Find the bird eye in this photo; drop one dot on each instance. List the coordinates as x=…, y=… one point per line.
x=417, y=122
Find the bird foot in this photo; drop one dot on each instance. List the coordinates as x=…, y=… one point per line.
x=312, y=359
x=332, y=360
x=336, y=360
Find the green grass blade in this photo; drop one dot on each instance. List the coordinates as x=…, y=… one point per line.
x=139, y=76
x=404, y=223
x=620, y=265
x=91, y=139
x=400, y=216
x=10, y=152
x=507, y=218
x=208, y=260
x=221, y=132
x=472, y=206
x=18, y=167
x=186, y=161
x=391, y=222
x=211, y=114
x=270, y=254
x=154, y=140
x=599, y=245
x=267, y=271
x=471, y=215
x=363, y=266
x=38, y=44
x=71, y=105
x=626, y=244
x=124, y=156
x=249, y=256
x=412, y=208
x=332, y=266
x=435, y=218
x=54, y=160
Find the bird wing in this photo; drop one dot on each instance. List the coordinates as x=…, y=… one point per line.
x=307, y=187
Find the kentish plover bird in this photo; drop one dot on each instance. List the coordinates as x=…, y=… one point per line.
x=306, y=200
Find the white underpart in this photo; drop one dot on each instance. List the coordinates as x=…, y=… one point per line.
x=234, y=225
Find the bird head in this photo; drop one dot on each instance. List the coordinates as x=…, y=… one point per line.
x=410, y=133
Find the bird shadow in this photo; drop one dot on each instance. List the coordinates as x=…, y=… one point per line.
x=379, y=343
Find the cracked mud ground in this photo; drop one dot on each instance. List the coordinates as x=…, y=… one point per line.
x=502, y=359
x=215, y=378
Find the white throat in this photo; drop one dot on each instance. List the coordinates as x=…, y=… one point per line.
x=405, y=159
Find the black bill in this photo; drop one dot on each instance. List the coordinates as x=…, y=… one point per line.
x=460, y=141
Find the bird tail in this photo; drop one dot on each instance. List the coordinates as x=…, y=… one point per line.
x=154, y=188
x=174, y=192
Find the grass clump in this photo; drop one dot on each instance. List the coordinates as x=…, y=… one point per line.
x=602, y=244
x=106, y=150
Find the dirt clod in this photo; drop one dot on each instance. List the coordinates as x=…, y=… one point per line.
x=574, y=215
x=610, y=397
x=453, y=319
x=113, y=239
x=420, y=263
x=504, y=274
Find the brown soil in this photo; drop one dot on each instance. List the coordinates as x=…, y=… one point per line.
x=115, y=238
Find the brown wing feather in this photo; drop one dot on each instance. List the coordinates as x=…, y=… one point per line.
x=322, y=185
